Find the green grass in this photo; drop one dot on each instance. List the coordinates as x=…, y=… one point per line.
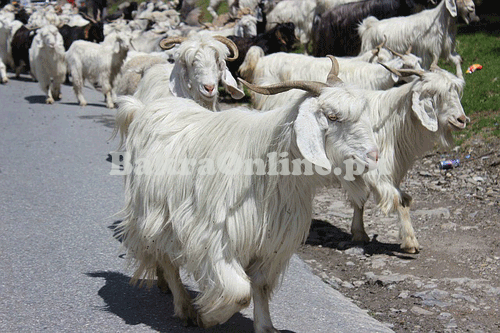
x=206, y=17
x=481, y=99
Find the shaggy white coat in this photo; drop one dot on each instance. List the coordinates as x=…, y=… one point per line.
x=134, y=69
x=278, y=67
x=98, y=63
x=234, y=233
x=199, y=67
x=431, y=33
x=48, y=65
x=408, y=121
x=8, y=28
x=299, y=12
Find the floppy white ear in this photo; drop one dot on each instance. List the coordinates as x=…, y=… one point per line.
x=39, y=42
x=116, y=47
x=231, y=85
x=451, y=5
x=424, y=109
x=176, y=77
x=310, y=129
x=396, y=64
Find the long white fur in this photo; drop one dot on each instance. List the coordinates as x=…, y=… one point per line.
x=134, y=69
x=8, y=27
x=281, y=66
x=47, y=59
x=98, y=63
x=300, y=12
x=403, y=136
x=234, y=233
x=43, y=16
x=431, y=32
x=200, y=62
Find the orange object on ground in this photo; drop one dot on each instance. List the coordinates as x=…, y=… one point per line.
x=474, y=68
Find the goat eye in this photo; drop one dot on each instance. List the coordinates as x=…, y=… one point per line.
x=332, y=117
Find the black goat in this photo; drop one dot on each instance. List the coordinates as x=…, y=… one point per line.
x=21, y=43
x=92, y=32
x=22, y=15
x=124, y=12
x=281, y=38
x=336, y=31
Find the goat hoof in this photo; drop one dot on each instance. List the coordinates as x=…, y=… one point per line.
x=5, y=80
x=266, y=330
x=163, y=286
x=411, y=250
x=83, y=103
x=49, y=101
x=360, y=238
x=189, y=317
x=410, y=246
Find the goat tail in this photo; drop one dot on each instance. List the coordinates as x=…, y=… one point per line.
x=252, y=57
x=366, y=24
x=128, y=106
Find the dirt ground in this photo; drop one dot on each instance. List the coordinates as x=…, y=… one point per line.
x=453, y=284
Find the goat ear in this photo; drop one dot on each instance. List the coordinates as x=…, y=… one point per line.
x=116, y=47
x=310, y=130
x=424, y=109
x=231, y=86
x=452, y=7
x=177, y=76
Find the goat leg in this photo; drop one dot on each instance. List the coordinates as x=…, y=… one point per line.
x=183, y=307
x=409, y=242
x=357, y=226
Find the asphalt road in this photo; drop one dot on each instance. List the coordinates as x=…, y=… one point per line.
x=60, y=267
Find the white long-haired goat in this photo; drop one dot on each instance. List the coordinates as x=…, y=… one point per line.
x=431, y=32
x=98, y=63
x=234, y=232
x=408, y=121
x=299, y=12
x=8, y=28
x=134, y=69
x=199, y=68
x=48, y=65
x=291, y=66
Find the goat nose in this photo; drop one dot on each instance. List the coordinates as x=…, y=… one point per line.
x=209, y=87
x=463, y=119
x=373, y=155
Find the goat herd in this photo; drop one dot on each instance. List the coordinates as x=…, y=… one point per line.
x=228, y=195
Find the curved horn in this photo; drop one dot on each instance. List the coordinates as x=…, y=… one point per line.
x=404, y=72
x=409, y=49
x=309, y=86
x=333, y=76
x=434, y=66
x=170, y=42
x=88, y=18
x=394, y=52
x=377, y=48
x=230, y=45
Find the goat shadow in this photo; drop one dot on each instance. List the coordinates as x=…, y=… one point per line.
x=23, y=78
x=36, y=99
x=327, y=235
x=104, y=119
x=97, y=105
x=151, y=307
